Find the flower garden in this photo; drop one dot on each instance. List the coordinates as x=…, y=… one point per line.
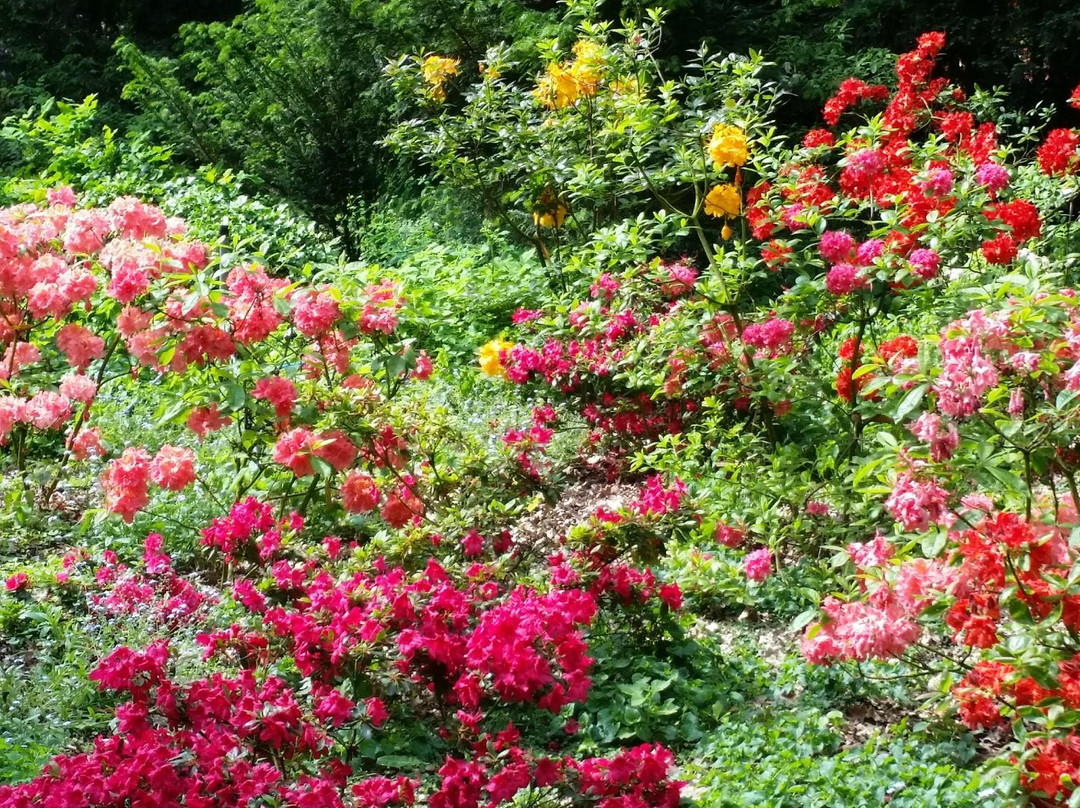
x=747, y=478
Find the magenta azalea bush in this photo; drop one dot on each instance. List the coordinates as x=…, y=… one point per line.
x=392, y=647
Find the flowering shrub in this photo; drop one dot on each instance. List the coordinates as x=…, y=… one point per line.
x=95, y=296
x=595, y=139
x=772, y=352
x=984, y=470
x=804, y=336
x=367, y=651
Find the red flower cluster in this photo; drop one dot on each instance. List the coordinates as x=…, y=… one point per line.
x=890, y=354
x=250, y=528
x=850, y=93
x=228, y=739
x=1059, y=154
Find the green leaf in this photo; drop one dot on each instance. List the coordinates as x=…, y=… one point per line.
x=234, y=395
x=1065, y=398
x=172, y=412
x=803, y=620
x=322, y=468
x=1006, y=478
x=933, y=543
x=910, y=402
x=399, y=762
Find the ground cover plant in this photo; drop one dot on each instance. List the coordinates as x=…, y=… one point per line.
x=736, y=466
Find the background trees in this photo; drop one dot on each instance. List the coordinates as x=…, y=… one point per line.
x=291, y=93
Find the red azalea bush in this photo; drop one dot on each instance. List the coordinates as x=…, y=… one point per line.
x=985, y=469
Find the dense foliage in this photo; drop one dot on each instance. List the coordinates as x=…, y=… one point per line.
x=64, y=49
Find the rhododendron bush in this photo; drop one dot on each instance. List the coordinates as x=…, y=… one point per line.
x=320, y=662
x=296, y=375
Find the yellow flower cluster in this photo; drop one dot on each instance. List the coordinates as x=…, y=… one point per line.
x=588, y=66
x=727, y=147
x=723, y=201
x=556, y=88
x=491, y=358
x=435, y=71
x=627, y=86
x=549, y=211
x=563, y=84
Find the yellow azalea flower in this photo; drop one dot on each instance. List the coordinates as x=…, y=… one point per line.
x=490, y=359
x=435, y=70
x=626, y=87
x=487, y=71
x=727, y=147
x=557, y=88
x=549, y=210
x=723, y=200
x=586, y=50
x=587, y=68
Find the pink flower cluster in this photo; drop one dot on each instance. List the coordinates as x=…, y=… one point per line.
x=59, y=263
x=45, y=411
x=126, y=479
x=296, y=448
x=381, y=305
x=758, y=564
x=249, y=528
x=280, y=393
x=656, y=499
x=859, y=631
x=917, y=501
x=247, y=735
x=942, y=437
x=772, y=336
x=530, y=645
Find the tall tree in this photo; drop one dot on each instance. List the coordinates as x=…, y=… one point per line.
x=63, y=48
x=292, y=91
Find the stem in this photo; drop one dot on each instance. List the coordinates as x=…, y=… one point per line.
x=308, y=496
x=1070, y=478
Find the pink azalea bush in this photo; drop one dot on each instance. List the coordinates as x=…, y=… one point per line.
x=428, y=650
x=86, y=292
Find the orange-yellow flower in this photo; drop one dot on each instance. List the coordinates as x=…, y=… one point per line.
x=557, y=88
x=587, y=67
x=563, y=84
x=627, y=86
x=491, y=357
x=435, y=70
x=549, y=210
x=723, y=201
x=727, y=147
